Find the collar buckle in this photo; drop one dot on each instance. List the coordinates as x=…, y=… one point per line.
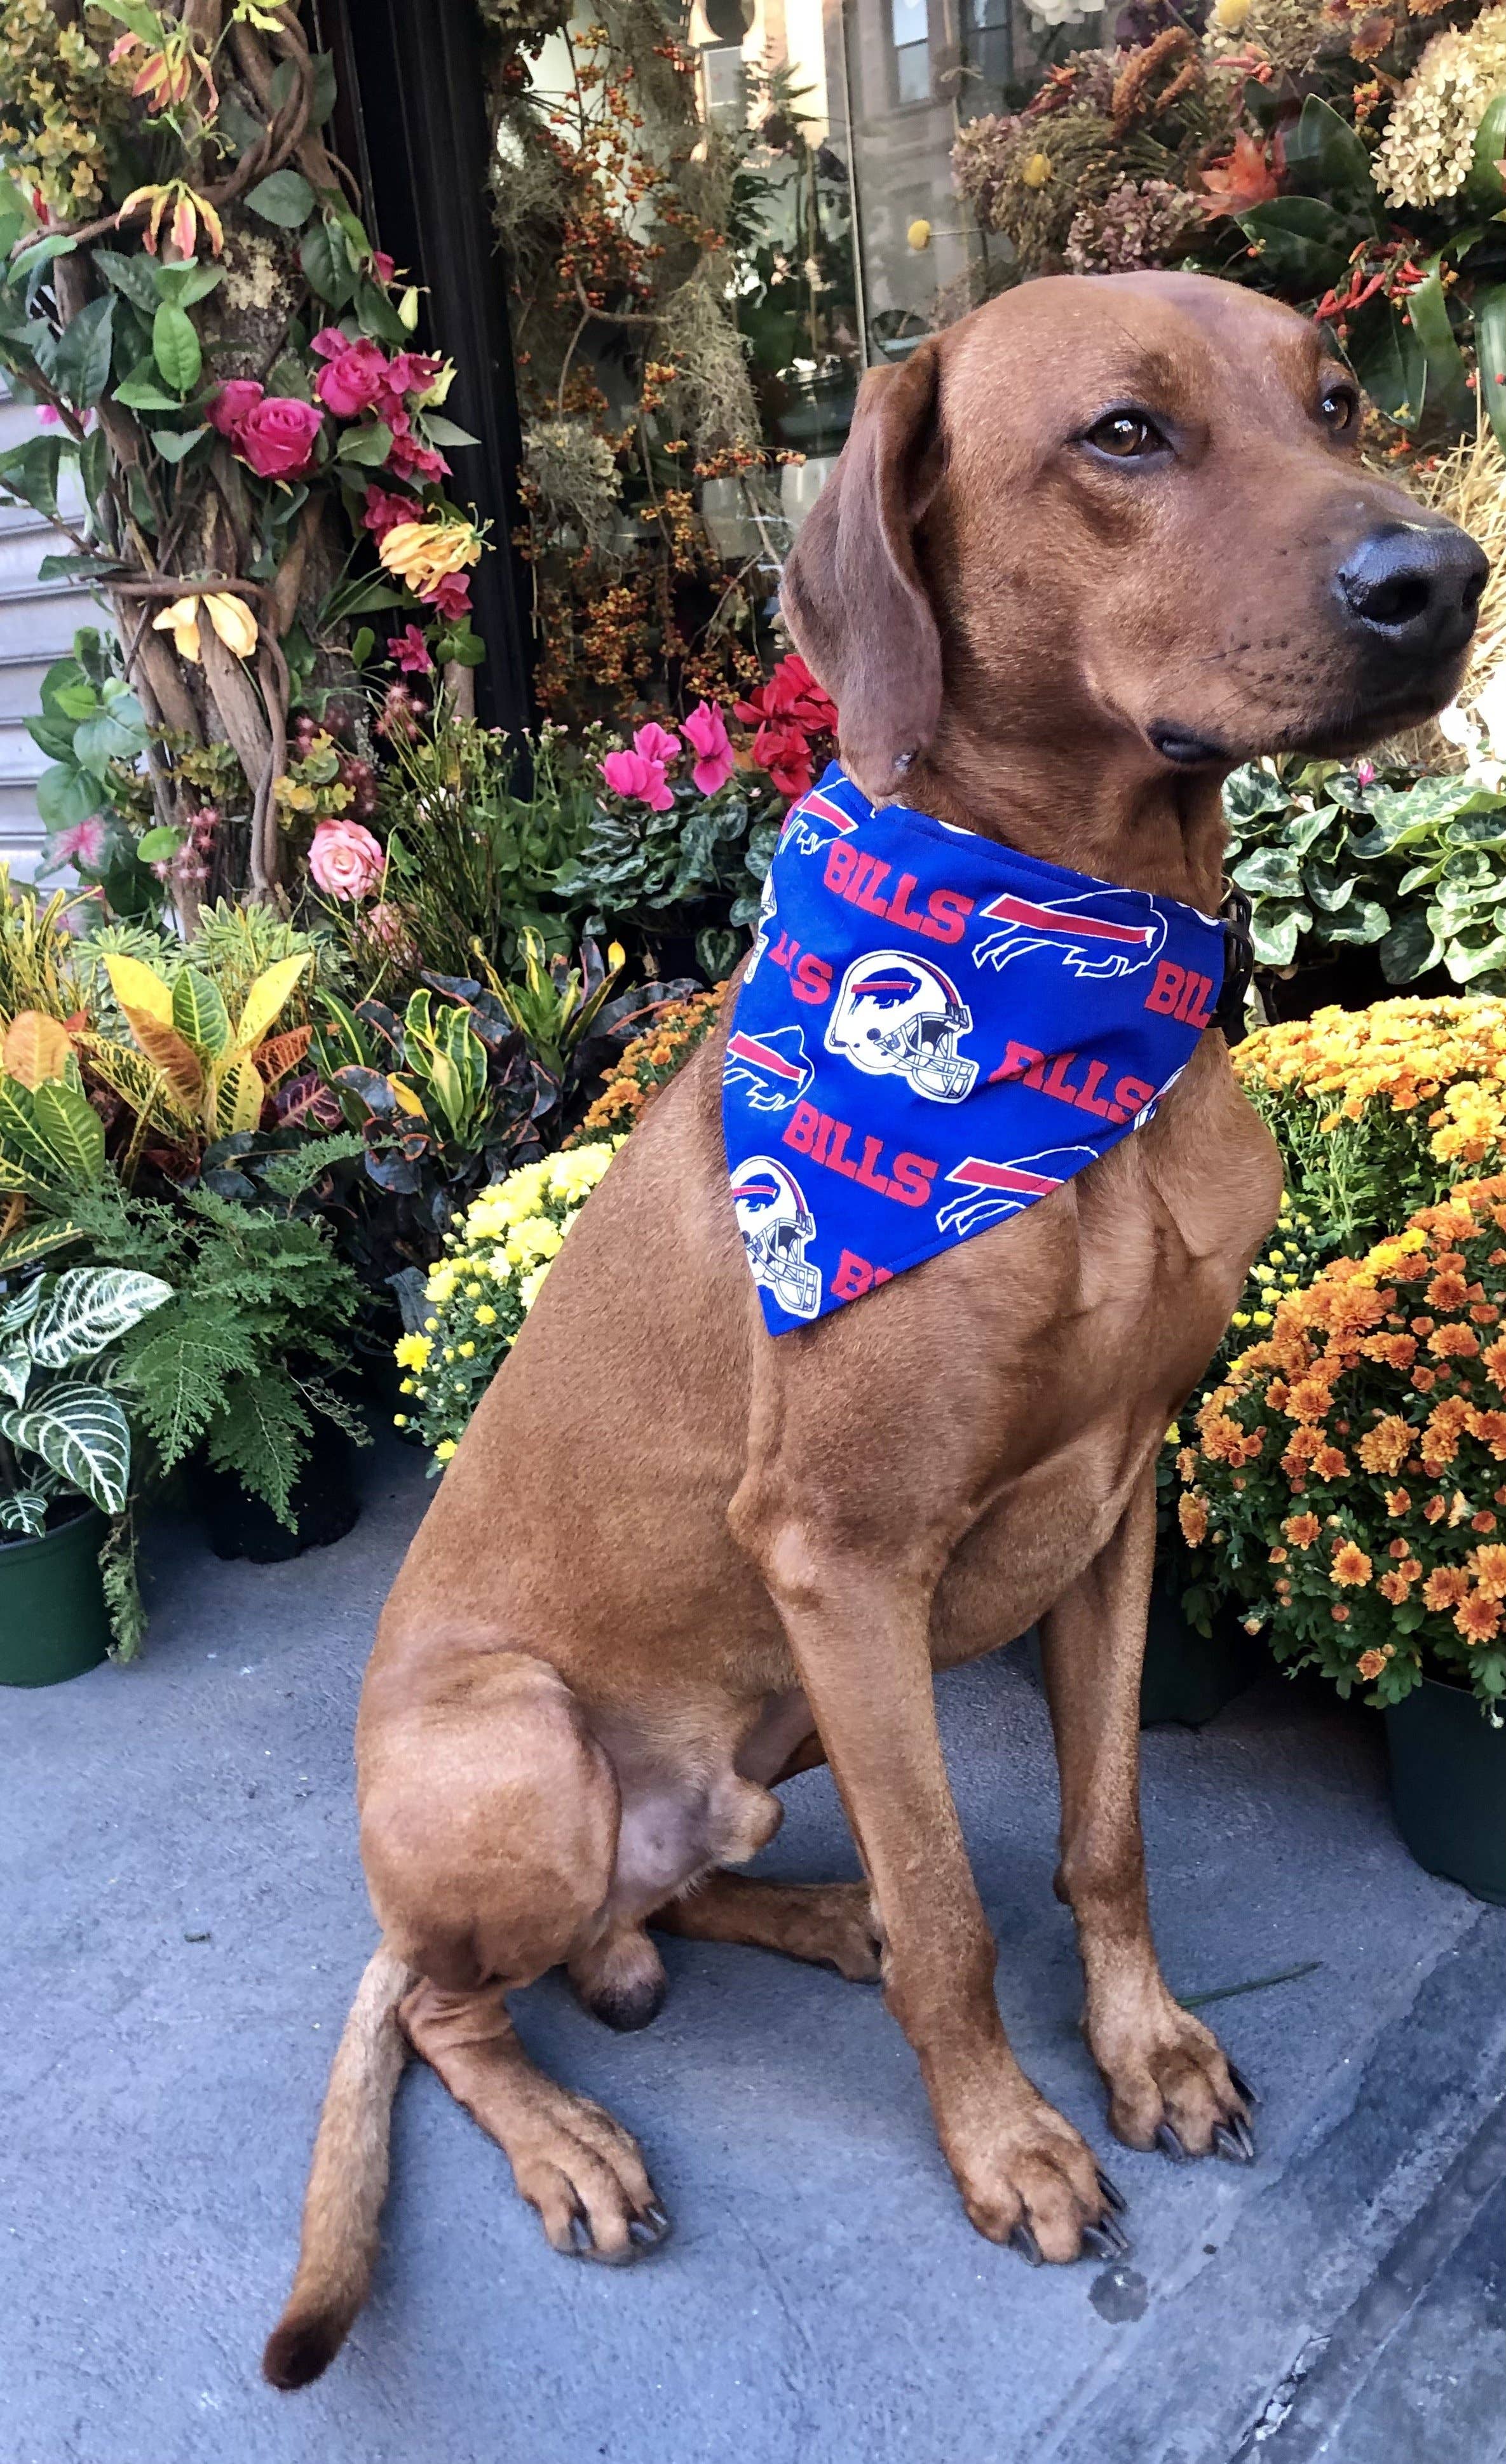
x=1239, y=965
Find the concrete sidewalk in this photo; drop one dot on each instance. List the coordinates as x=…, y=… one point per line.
x=185, y=1923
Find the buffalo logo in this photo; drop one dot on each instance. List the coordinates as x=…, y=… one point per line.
x=776, y=1223
x=1085, y=934
x=897, y=1017
x=773, y=1067
x=766, y=906
x=989, y=1193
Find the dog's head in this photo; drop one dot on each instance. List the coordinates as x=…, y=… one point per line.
x=1127, y=514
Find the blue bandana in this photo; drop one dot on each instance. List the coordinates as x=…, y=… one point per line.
x=934, y=1032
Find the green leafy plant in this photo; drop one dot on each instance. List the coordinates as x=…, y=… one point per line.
x=1334, y=858
x=694, y=868
x=63, y=1430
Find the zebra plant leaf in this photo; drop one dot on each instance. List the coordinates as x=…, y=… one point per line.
x=88, y=1307
x=15, y=1373
x=25, y=1510
x=81, y=1434
x=20, y=1308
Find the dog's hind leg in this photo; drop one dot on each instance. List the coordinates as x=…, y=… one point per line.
x=1170, y=2085
x=830, y=1924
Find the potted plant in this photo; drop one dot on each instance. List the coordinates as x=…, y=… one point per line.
x=65, y=1461
x=1350, y=1475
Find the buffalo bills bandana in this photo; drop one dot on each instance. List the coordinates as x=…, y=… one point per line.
x=932, y=1033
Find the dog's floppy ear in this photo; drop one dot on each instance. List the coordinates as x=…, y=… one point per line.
x=852, y=595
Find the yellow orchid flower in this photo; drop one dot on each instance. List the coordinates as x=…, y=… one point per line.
x=423, y=552
x=182, y=621
x=233, y=620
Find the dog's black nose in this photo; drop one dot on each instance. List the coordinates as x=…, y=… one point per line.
x=1415, y=588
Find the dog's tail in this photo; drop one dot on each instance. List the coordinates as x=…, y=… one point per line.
x=348, y=2182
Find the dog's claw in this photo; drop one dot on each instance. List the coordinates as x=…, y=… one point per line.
x=582, y=2244
x=1232, y=2140
x=1167, y=2140
x=1025, y=2242
x=1241, y=2086
x=1112, y=2196
x=647, y=2230
x=1106, y=2240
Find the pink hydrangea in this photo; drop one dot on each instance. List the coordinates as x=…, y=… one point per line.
x=346, y=860
x=705, y=732
x=635, y=776
x=278, y=435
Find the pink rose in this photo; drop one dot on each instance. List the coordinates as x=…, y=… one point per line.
x=385, y=509
x=411, y=652
x=705, y=732
x=350, y=384
x=633, y=773
x=346, y=860
x=233, y=406
x=277, y=437
x=450, y=597
x=329, y=342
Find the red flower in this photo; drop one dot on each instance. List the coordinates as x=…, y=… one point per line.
x=384, y=510
x=382, y=265
x=409, y=459
x=277, y=437
x=450, y=597
x=790, y=693
x=411, y=652
x=351, y=383
x=232, y=405
x=785, y=755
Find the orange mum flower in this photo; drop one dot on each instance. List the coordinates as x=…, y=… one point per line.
x=1396, y=1501
x=1351, y=1565
x=1394, y=1588
x=1435, y=1510
x=1446, y=1586
x=1484, y=1521
x=1192, y=1515
x=1478, y=1619
x=1448, y=1292
x=1487, y=1566
x=1386, y=1447
x=1494, y=1359
x=1328, y=1464
x=1340, y=1614
x=1302, y=1529
x=1370, y=1664
x=1454, y=1342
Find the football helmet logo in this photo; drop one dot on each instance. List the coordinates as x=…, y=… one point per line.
x=776, y=1223
x=1089, y=934
x=899, y=1017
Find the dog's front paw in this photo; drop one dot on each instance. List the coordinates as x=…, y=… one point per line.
x=1170, y=2086
x=1030, y=2180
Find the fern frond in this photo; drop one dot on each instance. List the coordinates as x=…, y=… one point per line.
x=263, y=1436
x=122, y=1591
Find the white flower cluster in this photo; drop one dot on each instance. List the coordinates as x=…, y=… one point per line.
x=1064, y=13
x=1426, y=153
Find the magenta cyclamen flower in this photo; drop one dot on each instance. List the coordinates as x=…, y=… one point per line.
x=633, y=774
x=705, y=732
x=656, y=743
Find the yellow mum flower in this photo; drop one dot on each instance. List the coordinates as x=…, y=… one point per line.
x=529, y=1289
x=444, y=1449
x=467, y=1351
x=486, y=1316
x=412, y=1351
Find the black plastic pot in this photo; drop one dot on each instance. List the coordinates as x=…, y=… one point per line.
x=53, y=1621
x=1188, y=1677
x=1448, y=1786
x=323, y=1504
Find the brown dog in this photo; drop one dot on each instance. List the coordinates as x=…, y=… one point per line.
x=1083, y=553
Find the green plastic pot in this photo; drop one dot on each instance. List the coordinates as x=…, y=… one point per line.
x=1188, y=1677
x=1448, y=1786
x=52, y=1620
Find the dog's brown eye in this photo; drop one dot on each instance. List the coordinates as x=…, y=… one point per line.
x=1337, y=410
x=1124, y=434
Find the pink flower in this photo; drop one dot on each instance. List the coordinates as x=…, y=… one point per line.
x=634, y=775
x=382, y=265
x=409, y=459
x=233, y=406
x=450, y=597
x=656, y=743
x=83, y=845
x=385, y=924
x=411, y=652
x=278, y=435
x=48, y=415
x=346, y=860
x=350, y=384
x=412, y=371
x=384, y=510
x=1365, y=773
x=705, y=732
x=329, y=342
